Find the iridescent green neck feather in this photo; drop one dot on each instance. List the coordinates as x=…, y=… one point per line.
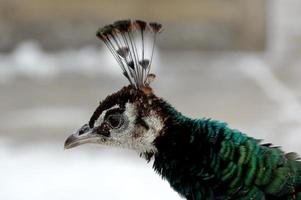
x=205, y=159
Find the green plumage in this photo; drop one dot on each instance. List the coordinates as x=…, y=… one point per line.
x=205, y=159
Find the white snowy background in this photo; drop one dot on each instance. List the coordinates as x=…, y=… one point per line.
x=44, y=97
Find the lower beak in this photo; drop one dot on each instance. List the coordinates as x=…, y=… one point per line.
x=82, y=136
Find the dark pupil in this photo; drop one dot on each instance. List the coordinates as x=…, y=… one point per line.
x=114, y=120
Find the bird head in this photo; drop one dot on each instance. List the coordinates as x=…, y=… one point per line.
x=130, y=117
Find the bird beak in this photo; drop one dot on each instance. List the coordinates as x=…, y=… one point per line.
x=84, y=135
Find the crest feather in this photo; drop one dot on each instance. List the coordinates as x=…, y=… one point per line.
x=126, y=40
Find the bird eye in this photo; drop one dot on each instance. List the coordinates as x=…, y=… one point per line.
x=115, y=121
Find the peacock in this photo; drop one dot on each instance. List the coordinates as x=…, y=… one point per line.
x=202, y=159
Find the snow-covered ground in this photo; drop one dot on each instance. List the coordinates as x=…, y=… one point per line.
x=46, y=171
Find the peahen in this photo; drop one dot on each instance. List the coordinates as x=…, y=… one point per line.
x=200, y=158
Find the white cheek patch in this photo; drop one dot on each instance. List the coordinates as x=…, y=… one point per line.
x=154, y=122
x=133, y=136
x=155, y=125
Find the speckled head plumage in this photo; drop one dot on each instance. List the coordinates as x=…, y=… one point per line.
x=129, y=117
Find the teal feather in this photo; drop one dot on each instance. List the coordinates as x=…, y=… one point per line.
x=205, y=159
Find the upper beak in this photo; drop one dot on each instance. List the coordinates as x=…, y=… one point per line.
x=84, y=135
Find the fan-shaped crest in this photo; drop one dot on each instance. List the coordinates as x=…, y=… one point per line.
x=127, y=41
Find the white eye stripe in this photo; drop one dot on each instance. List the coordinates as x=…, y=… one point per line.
x=100, y=119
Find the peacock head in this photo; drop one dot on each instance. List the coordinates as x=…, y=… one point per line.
x=131, y=117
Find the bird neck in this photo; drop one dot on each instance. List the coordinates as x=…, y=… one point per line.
x=184, y=137
x=186, y=148
x=182, y=133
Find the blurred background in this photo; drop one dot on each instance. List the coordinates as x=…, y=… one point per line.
x=233, y=60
